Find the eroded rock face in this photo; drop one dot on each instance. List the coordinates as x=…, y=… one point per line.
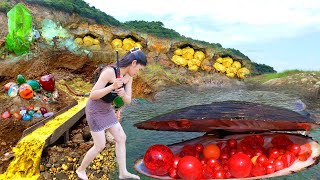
x=3, y=25
x=68, y=60
x=159, y=51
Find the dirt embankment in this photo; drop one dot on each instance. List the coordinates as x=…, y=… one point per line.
x=305, y=85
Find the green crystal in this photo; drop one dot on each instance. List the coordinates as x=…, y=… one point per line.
x=21, y=79
x=118, y=102
x=34, y=84
x=19, y=37
x=31, y=112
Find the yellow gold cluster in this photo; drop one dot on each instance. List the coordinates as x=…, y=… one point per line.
x=188, y=57
x=230, y=68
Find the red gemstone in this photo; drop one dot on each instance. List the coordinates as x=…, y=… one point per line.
x=263, y=160
x=219, y=174
x=5, y=115
x=31, y=107
x=176, y=160
x=270, y=168
x=7, y=86
x=240, y=165
x=281, y=141
x=295, y=148
x=47, y=82
x=278, y=163
x=212, y=163
x=43, y=110
x=199, y=148
x=288, y=158
x=258, y=170
x=305, y=152
x=173, y=173
x=189, y=168
x=158, y=159
x=232, y=143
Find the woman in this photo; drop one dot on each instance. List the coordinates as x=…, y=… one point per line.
x=101, y=116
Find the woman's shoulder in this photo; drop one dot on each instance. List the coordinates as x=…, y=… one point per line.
x=107, y=73
x=109, y=69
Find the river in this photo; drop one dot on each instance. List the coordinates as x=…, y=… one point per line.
x=138, y=140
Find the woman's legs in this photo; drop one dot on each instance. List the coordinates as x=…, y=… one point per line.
x=120, y=139
x=99, y=142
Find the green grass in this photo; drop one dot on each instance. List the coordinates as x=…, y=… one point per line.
x=266, y=77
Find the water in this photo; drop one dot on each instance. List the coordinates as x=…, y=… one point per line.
x=139, y=140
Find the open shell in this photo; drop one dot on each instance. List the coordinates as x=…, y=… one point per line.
x=232, y=116
x=206, y=139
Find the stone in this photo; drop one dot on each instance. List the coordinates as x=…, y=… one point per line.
x=13, y=90
x=35, y=85
x=43, y=110
x=86, y=133
x=21, y=79
x=25, y=91
x=77, y=138
x=45, y=176
x=7, y=86
x=17, y=116
x=48, y=82
x=60, y=176
x=5, y=115
x=31, y=112
x=37, y=115
x=48, y=114
x=26, y=117
x=304, y=80
x=22, y=112
x=42, y=168
x=31, y=107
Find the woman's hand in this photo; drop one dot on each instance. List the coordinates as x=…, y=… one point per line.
x=121, y=92
x=118, y=83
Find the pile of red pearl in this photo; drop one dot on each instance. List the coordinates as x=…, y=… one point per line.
x=241, y=158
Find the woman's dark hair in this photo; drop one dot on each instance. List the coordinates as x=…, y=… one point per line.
x=133, y=54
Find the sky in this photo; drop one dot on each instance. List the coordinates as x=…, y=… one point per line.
x=284, y=34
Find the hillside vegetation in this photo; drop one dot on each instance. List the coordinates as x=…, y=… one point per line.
x=155, y=28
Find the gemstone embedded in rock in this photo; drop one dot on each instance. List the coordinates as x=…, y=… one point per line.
x=35, y=85
x=26, y=117
x=5, y=115
x=7, y=86
x=43, y=110
x=47, y=82
x=13, y=90
x=26, y=91
x=21, y=79
x=48, y=114
x=17, y=116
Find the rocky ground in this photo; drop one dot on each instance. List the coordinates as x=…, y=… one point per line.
x=305, y=85
x=61, y=160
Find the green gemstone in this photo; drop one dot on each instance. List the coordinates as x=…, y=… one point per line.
x=118, y=102
x=19, y=36
x=31, y=112
x=21, y=79
x=34, y=84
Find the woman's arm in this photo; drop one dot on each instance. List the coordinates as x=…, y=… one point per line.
x=99, y=90
x=126, y=93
